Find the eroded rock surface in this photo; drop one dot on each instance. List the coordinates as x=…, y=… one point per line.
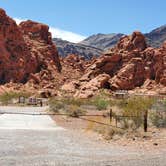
x=126, y=66
x=24, y=49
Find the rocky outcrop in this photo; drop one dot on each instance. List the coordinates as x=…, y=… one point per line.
x=15, y=56
x=25, y=50
x=134, y=42
x=126, y=66
x=38, y=38
x=88, y=90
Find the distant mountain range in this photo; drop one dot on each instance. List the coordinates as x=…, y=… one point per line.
x=156, y=37
x=102, y=41
x=96, y=44
x=65, y=47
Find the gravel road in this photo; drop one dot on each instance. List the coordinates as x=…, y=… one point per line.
x=29, y=141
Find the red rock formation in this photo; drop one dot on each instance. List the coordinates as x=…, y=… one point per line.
x=77, y=62
x=14, y=53
x=134, y=42
x=24, y=49
x=27, y=55
x=129, y=64
x=39, y=40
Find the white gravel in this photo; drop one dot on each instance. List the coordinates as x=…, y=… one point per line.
x=26, y=122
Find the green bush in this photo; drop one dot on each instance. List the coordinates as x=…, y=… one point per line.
x=100, y=103
x=69, y=106
x=6, y=98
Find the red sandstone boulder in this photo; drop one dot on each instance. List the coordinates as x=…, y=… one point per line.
x=75, y=61
x=36, y=31
x=134, y=42
x=130, y=76
x=90, y=88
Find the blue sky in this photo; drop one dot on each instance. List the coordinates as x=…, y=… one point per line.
x=75, y=19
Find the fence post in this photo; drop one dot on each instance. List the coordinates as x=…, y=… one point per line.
x=145, y=121
x=110, y=115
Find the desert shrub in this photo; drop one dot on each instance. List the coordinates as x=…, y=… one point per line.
x=158, y=119
x=110, y=132
x=69, y=106
x=75, y=111
x=134, y=108
x=100, y=103
x=107, y=132
x=6, y=98
x=158, y=114
x=55, y=105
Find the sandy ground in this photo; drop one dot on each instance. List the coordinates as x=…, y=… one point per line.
x=153, y=140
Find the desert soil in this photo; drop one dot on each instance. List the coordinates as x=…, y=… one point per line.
x=28, y=140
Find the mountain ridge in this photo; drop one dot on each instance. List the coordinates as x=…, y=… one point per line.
x=95, y=44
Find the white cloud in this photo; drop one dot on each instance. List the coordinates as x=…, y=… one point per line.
x=59, y=33
x=66, y=35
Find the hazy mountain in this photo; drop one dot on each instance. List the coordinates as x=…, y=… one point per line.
x=102, y=41
x=64, y=48
x=157, y=36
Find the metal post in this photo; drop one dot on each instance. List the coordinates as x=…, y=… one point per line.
x=145, y=121
x=41, y=103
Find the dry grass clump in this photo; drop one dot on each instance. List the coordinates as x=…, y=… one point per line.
x=75, y=111
x=107, y=131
